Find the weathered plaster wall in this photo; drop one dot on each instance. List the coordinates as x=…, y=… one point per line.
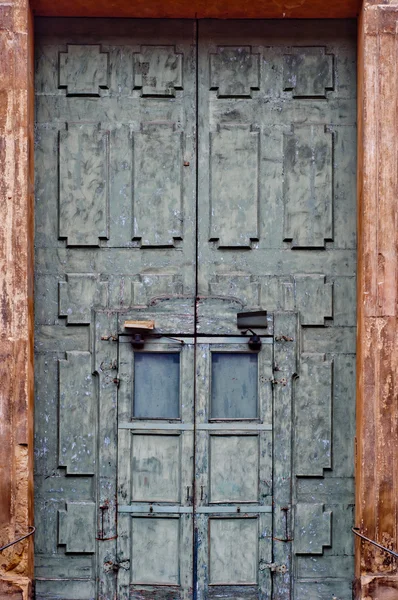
x=16, y=297
x=377, y=386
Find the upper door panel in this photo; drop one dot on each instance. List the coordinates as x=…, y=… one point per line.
x=115, y=113
x=276, y=158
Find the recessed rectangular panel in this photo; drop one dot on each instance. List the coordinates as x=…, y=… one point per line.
x=155, y=550
x=234, y=154
x=156, y=468
x=313, y=404
x=308, y=72
x=78, y=517
x=77, y=413
x=158, y=71
x=308, y=186
x=233, y=548
x=83, y=184
x=234, y=468
x=234, y=385
x=158, y=215
x=234, y=71
x=156, y=385
x=83, y=70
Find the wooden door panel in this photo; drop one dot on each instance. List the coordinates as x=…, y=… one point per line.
x=233, y=468
x=155, y=469
x=154, y=561
x=115, y=228
x=158, y=200
x=155, y=550
x=276, y=232
x=232, y=563
x=233, y=163
x=277, y=184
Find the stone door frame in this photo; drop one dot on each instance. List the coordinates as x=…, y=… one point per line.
x=377, y=348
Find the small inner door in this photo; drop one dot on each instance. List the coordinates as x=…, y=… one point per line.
x=195, y=491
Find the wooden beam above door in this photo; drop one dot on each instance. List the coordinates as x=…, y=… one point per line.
x=201, y=9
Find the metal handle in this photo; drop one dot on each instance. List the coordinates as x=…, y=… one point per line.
x=104, y=508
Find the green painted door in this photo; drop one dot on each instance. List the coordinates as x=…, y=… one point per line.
x=187, y=172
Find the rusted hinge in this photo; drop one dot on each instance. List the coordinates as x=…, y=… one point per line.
x=116, y=566
x=282, y=382
x=273, y=567
x=109, y=338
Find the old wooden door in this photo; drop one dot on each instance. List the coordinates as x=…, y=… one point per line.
x=188, y=172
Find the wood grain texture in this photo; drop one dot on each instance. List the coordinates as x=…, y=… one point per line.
x=16, y=295
x=377, y=361
x=216, y=9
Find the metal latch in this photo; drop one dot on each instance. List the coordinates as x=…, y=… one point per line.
x=274, y=568
x=116, y=566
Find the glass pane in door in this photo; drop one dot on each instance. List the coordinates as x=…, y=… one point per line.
x=234, y=385
x=156, y=385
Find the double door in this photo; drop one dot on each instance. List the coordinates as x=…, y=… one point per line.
x=187, y=172
x=201, y=472
x=195, y=494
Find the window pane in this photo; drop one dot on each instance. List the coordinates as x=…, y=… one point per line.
x=156, y=385
x=233, y=386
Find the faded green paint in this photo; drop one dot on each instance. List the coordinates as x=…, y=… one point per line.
x=155, y=469
x=233, y=474
x=250, y=461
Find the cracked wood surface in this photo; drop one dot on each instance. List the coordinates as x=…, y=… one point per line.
x=16, y=302
x=377, y=361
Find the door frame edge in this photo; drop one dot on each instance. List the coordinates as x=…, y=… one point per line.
x=377, y=321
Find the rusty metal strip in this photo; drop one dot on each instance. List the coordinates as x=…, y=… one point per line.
x=240, y=340
x=33, y=529
x=363, y=537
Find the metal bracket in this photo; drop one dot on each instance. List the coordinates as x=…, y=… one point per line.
x=283, y=338
x=116, y=566
x=274, y=568
x=110, y=338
